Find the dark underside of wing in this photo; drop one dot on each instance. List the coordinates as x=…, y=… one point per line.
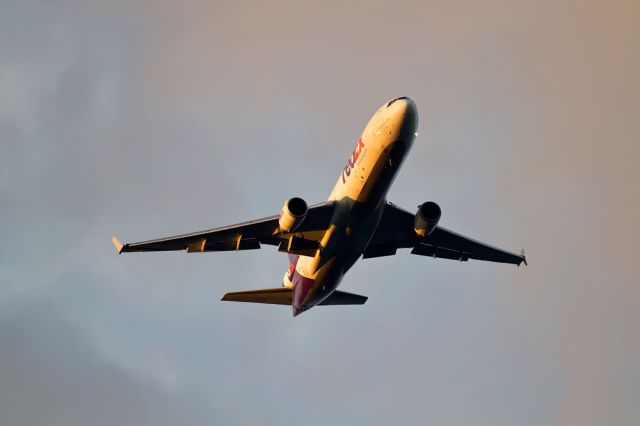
x=396, y=231
x=242, y=236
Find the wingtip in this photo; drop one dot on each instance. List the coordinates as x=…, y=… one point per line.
x=524, y=258
x=119, y=246
x=228, y=297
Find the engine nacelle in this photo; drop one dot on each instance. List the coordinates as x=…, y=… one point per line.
x=427, y=218
x=292, y=214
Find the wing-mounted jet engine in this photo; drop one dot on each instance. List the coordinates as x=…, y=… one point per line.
x=426, y=218
x=292, y=214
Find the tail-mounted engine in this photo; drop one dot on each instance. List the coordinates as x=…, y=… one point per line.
x=427, y=218
x=292, y=214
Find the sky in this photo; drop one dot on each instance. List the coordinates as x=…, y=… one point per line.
x=144, y=119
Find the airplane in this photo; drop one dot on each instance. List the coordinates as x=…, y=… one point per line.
x=323, y=241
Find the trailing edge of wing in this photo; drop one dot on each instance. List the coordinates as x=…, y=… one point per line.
x=466, y=247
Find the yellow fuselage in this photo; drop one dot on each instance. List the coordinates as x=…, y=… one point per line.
x=359, y=197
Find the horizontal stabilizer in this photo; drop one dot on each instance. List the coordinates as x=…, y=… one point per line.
x=379, y=250
x=344, y=298
x=282, y=296
x=272, y=296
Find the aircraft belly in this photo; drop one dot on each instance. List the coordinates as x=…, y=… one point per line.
x=311, y=288
x=356, y=217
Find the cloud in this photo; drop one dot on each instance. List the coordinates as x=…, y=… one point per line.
x=148, y=118
x=52, y=374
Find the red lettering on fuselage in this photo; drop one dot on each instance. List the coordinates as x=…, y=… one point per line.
x=352, y=160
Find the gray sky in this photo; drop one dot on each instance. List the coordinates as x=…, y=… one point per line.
x=145, y=119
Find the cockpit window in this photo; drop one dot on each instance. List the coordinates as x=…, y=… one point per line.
x=393, y=100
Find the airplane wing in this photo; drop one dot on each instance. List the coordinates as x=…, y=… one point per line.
x=396, y=231
x=243, y=236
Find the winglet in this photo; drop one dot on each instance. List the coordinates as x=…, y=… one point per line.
x=524, y=258
x=118, y=244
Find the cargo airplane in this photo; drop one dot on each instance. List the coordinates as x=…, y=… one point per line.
x=324, y=240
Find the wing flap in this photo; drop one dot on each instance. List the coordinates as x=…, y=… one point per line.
x=429, y=250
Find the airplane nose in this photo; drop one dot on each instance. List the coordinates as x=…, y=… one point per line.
x=403, y=110
x=401, y=106
x=396, y=120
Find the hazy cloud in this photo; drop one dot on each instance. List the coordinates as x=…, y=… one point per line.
x=150, y=118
